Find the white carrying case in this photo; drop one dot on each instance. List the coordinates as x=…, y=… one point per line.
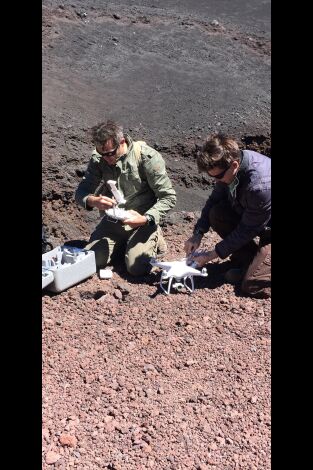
x=47, y=277
x=65, y=266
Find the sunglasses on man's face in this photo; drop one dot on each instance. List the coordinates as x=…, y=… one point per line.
x=111, y=153
x=219, y=176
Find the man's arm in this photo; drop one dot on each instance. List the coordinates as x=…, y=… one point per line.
x=203, y=224
x=254, y=219
x=159, y=182
x=89, y=185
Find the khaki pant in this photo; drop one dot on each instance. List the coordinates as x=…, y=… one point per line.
x=254, y=258
x=136, y=245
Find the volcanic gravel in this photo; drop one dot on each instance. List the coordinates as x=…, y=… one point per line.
x=134, y=378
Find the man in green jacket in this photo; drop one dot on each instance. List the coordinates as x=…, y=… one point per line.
x=140, y=175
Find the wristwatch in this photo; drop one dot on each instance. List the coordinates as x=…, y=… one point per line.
x=150, y=219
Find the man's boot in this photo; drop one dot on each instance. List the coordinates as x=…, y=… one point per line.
x=240, y=260
x=234, y=275
x=161, y=246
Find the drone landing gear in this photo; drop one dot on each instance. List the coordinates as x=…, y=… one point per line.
x=177, y=285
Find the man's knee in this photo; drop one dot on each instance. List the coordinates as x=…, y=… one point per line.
x=137, y=262
x=141, y=248
x=101, y=249
x=139, y=266
x=257, y=280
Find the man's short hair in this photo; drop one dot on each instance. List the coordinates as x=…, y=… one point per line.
x=218, y=151
x=105, y=131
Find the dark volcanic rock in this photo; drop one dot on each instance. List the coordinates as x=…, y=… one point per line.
x=190, y=78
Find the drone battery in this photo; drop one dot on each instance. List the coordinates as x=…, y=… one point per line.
x=68, y=266
x=105, y=273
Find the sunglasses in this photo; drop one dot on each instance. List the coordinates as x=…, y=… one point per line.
x=219, y=176
x=111, y=153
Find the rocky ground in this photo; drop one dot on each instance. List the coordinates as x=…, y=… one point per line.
x=132, y=378
x=135, y=379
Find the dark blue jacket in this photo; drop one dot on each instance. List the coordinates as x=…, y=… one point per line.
x=251, y=200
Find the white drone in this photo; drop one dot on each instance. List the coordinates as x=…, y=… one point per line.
x=178, y=270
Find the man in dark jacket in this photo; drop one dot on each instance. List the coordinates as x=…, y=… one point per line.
x=239, y=210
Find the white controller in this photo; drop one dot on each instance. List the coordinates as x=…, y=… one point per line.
x=119, y=214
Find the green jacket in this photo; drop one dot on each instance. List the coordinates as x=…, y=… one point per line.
x=142, y=179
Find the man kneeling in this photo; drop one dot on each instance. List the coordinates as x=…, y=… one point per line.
x=141, y=178
x=239, y=210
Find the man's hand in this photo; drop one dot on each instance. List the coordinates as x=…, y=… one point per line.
x=101, y=202
x=137, y=220
x=192, y=243
x=202, y=257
